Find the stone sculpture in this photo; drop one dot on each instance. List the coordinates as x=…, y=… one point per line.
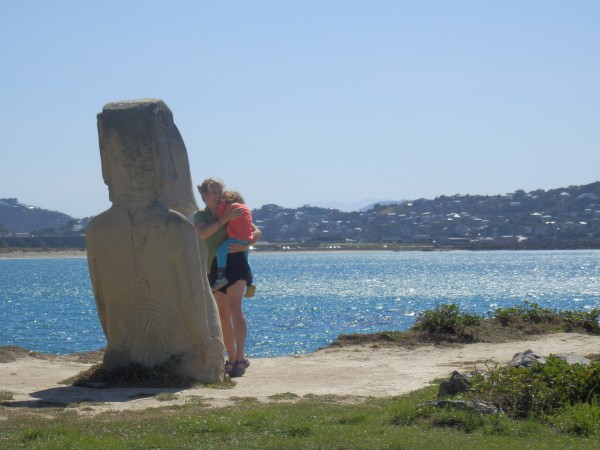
x=146, y=263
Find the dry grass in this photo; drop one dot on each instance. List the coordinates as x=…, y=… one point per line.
x=10, y=353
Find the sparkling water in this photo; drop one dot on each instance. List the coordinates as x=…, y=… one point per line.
x=305, y=300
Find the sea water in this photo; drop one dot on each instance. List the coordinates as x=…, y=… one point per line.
x=305, y=300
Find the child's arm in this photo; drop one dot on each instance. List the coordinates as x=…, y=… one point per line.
x=230, y=212
x=256, y=235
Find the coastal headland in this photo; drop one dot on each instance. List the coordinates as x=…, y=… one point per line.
x=355, y=372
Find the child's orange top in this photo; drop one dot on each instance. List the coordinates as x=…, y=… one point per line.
x=240, y=228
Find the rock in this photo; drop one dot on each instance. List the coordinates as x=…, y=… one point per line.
x=593, y=356
x=526, y=359
x=457, y=383
x=573, y=358
x=473, y=405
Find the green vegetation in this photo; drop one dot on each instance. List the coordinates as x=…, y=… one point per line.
x=531, y=312
x=446, y=319
x=541, y=390
x=546, y=406
x=42, y=243
x=447, y=324
x=311, y=422
x=165, y=396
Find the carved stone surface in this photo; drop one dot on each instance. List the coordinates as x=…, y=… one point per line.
x=146, y=264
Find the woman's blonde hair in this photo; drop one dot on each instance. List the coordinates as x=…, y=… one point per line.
x=208, y=184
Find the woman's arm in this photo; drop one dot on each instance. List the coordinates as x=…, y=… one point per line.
x=205, y=230
x=256, y=234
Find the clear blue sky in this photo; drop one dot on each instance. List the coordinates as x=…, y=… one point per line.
x=307, y=101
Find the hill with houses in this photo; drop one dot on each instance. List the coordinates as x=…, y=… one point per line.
x=557, y=218
x=563, y=215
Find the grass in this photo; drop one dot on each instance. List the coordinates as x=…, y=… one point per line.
x=5, y=395
x=311, y=423
x=556, y=417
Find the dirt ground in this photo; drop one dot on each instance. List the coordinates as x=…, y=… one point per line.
x=34, y=381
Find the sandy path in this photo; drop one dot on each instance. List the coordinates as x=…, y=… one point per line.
x=359, y=371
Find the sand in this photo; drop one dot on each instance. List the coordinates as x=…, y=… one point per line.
x=356, y=372
x=22, y=254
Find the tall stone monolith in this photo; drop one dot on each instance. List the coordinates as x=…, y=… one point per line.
x=146, y=264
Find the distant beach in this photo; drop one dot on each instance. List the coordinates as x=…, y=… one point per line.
x=46, y=253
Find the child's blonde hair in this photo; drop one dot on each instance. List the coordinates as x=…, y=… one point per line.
x=229, y=197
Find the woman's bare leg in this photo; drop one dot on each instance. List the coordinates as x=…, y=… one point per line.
x=226, y=324
x=235, y=295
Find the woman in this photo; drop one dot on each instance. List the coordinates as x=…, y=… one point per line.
x=212, y=231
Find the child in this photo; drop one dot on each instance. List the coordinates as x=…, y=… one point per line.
x=239, y=231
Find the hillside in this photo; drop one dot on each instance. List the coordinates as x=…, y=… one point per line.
x=569, y=214
x=16, y=217
x=556, y=218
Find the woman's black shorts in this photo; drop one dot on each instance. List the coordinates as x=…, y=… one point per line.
x=237, y=269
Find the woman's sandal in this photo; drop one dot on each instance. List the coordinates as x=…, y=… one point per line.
x=229, y=366
x=239, y=368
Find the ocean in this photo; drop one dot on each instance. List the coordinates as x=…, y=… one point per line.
x=305, y=300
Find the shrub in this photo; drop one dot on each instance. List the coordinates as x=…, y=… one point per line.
x=445, y=319
x=5, y=395
x=582, y=419
x=589, y=320
x=540, y=390
x=534, y=313
x=529, y=311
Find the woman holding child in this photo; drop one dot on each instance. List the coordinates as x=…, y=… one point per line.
x=211, y=228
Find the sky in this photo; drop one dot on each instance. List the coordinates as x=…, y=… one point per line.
x=293, y=102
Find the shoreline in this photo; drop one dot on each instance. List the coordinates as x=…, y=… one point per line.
x=42, y=254
x=82, y=253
